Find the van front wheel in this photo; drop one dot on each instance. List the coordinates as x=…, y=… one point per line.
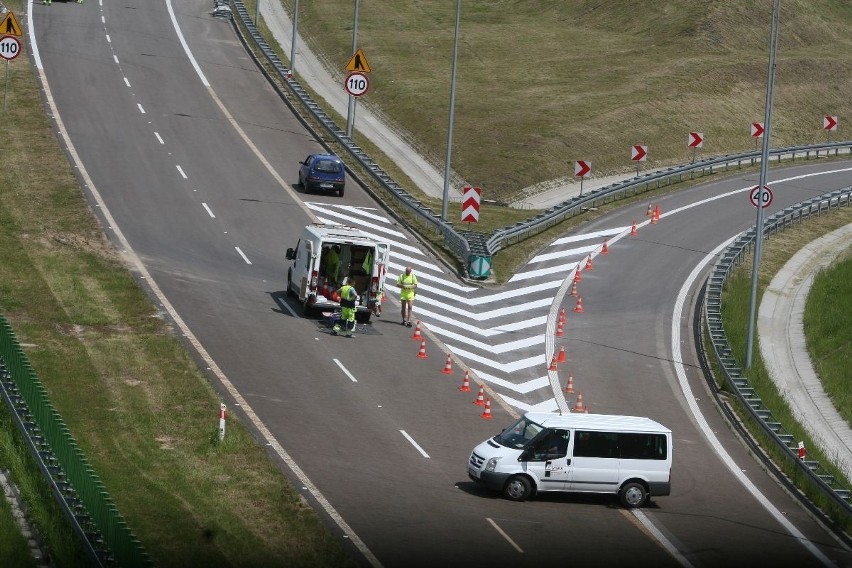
x=518, y=488
x=633, y=495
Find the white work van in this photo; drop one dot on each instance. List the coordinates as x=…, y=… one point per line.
x=328, y=255
x=628, y=456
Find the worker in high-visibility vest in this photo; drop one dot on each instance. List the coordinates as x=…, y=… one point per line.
x=407, y=283
x=348, y=297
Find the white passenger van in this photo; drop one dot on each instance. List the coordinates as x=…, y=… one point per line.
x=585, y=453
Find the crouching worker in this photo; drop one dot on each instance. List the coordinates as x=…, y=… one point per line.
x=348, y=297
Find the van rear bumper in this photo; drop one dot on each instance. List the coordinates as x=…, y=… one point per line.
x=659, y=488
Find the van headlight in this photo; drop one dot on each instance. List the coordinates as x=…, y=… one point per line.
x=492, y=464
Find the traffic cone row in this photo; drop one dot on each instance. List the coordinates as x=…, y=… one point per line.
x=417, y=331
x=562, y=315
x=589, y=266
x=552, y=364
x=486, y=414
x=579, y=406
x=604, y=249
x=656, y=216
x=579, y=306
x=577, y=277
x=561, y=358
x=648, y=211
x=633, y=231
x=422, y=353
x=559, y=331
x=480, y=398
x=573, y=290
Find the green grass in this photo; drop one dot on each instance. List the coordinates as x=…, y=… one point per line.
x=777, y=250
x=13, y=546
x=541, y=83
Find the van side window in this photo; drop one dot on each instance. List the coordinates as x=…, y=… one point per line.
x=552, y=445
x=596, y=444
x=643, y=447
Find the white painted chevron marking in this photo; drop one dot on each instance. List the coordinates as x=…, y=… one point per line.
x=561, y=269
x=411, y=261
x=497, y=349
x=360, y=223
x=527, y=363
x=546, y=406
x=522, y=388
x=586, y=236
x=394, y=244
x=488, y=332
x=359, y=211
x=564, y=253
x=480, y=316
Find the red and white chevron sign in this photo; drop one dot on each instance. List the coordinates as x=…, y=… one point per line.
x=470, y=204
x=696, y=140
x=639, y=153
x=757, y=130
x=582, y=168
x=829, y=123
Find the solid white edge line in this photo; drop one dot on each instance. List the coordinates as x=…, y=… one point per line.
x=664, y=542
x=415, y=444
x=678, y=316
x=345, y=370
x=504, y=535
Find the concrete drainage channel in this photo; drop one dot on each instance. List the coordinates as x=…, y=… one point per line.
x=13, y=496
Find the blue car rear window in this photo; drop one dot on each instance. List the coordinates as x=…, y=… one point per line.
x=328, y=166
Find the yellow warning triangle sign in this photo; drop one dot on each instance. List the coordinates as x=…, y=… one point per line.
x=10, y=25
x=358, y=62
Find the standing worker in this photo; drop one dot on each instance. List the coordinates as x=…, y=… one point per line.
x=407, y=283
x=348, y=297
x=332, y=264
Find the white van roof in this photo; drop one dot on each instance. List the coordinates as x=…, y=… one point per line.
x=608, y=422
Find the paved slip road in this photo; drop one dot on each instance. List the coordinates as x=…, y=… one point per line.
x=177, y=166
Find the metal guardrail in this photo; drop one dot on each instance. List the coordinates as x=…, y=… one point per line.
x=75, y=485
x=454, y=241
x=464, y=244
x=730, y=259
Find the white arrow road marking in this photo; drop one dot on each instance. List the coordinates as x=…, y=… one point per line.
x=522, y=388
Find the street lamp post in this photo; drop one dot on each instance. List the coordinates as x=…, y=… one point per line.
x=293, y=40
x=764, y=164
x=452, y=113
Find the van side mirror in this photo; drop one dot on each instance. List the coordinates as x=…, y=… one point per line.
x=525, y=456
x=291, y=254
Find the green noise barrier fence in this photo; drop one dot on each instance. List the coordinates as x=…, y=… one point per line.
x=74, y=483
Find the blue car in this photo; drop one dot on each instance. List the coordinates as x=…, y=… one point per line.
x=322, y=172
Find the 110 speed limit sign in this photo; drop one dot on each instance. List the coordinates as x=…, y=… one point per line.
x=10, y=47
x=357, y=84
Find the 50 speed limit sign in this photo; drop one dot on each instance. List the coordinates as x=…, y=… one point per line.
x=10, y=47
x=357, y=84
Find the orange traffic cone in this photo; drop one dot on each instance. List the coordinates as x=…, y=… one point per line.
x=559, y=331
x=579, y=406
x=569, y=386
x=648, y=211
x=574, y=289
x=487, y=412
x=604, y=250
x=465, y=387
x=577, y=277
x=422, y=353
x=589, y=263
x=633, y=232
x=480, y=398
x=579, y=307
x=417, y=331
x=448, y=368
x=561, y=358
x=562, y=314
x=656, y=216
x=552, y=364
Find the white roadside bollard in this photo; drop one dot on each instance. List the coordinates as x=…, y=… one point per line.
x=222, y=415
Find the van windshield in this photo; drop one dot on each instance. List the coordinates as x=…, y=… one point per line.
x=519, y=434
